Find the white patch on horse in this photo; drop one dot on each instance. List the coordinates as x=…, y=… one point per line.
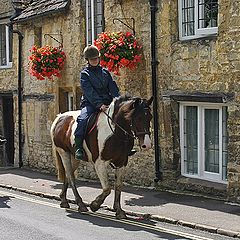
x=147, y=141
x=88, y=152
x=101, y=170
x=103, y=126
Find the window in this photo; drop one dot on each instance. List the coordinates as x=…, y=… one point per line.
x=5, y=46
x=70, y=101
x=203, y=139
x=94, y=19
x=38, y=36
x=197, y=18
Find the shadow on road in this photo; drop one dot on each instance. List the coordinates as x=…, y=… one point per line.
x=4, y=202
x=113, y=223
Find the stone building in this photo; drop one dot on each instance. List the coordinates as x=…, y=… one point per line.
x=197, y=51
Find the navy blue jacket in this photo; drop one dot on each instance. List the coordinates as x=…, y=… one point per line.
x=98, y=87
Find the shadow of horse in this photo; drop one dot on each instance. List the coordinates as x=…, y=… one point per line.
x=132, y=225
x=4, y=202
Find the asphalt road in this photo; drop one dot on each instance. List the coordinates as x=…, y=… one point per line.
x=28, y=217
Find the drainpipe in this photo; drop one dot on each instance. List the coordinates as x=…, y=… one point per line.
x=20, y=89
x=154, y=62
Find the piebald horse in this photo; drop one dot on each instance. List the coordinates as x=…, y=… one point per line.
x=108, y=141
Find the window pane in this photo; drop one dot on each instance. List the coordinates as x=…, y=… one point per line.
x=187, y=17
x=10, y=43
x=207, y=12
x=97, y=10
x=190, y=140
x=211, y=122
x=3, y=56
x=98, y=15
x=89, y=23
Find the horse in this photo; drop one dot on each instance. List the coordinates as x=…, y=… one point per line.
x=109, y=140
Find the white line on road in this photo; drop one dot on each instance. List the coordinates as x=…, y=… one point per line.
x=108, y=217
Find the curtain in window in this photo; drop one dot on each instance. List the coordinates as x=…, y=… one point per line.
x=191, y=140
x=188, y=20
x=94, y=19
x=207, y=11
x=211, y=122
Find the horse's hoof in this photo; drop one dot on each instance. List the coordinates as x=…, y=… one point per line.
x=64, y=205
x=121, y=215
x=94, y=206
x=82, y=209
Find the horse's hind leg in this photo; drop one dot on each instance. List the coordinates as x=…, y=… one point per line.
x=120, y=214
x=66, y=159
x=101, y=171
x=63, y=194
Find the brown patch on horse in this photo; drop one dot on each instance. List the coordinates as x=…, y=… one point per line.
x=117, y=153
x=118, y=146
x=62, y=133
x=92, y=144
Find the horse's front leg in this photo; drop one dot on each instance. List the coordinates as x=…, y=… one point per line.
x=101, y=170
x=120, y=214
x=69, y=169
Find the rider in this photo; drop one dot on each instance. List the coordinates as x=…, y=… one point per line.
x=98, y=88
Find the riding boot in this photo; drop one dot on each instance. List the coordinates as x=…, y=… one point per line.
x=79, y=148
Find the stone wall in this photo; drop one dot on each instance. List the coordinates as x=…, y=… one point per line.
x=41, y=98
x=6, y=8
x=204, y=65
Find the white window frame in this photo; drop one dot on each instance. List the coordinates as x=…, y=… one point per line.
x=8, y=63
x=202, y=174
x=90, y=3
x=199, y=32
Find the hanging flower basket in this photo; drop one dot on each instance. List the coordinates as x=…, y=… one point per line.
x=118, y=50
x=46, y=62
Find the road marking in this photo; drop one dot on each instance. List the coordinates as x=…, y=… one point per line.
x=109, y=217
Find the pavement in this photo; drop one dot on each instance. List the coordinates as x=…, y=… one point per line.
x=190, y=210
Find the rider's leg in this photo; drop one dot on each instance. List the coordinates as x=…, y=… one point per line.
x=80, y=130
x=79, y=147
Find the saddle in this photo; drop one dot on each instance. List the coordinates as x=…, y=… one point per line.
x=92, y=123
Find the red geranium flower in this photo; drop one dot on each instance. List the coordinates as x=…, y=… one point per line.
x=46, y=62
x=118, y=50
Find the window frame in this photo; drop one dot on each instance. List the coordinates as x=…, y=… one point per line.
x=202, y=174
x=199, y=32
x=8, y=62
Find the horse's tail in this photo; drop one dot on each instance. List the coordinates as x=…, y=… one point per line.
x=60, y=167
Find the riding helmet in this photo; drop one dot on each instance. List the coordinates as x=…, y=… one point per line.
x=91, y=52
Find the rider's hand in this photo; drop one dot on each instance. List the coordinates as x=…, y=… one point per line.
x=103, y=108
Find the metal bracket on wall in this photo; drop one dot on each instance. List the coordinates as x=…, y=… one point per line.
x=58, y=34
x=126, y=23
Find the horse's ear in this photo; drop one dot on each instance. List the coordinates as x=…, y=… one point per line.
x=149, y=101
x=130, y=107
x=136, y=102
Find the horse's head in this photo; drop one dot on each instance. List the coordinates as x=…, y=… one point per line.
x=140, y=122
x=137, y=113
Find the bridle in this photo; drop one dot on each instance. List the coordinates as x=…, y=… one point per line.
x=135, y=134
x=124, y=131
